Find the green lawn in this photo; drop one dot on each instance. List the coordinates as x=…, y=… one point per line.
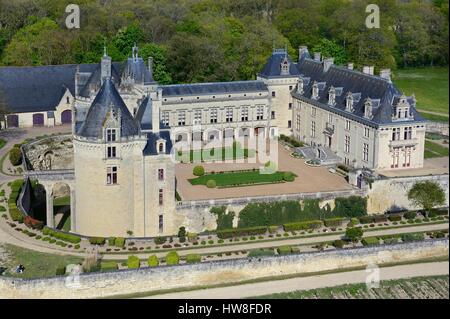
x=430, y=85
x=434, y=117
x=239, y=178
x=61, y=201
x=2, y=143
x=435, y=150
x=37, y=265
x=215, y=154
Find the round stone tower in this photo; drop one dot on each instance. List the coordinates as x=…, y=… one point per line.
x=108, y=160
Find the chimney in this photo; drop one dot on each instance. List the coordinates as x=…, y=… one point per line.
x=371, y=70
x=368, y=70
x=301, y=51
x=317, y=56
x=385, y=74
x=105, y=68
x=150, y=65
x=350, y=66
x=327, y=63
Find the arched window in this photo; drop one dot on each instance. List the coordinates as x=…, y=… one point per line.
x=161, y=147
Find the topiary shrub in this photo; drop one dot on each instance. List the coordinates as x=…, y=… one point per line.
x=160, y=240
x=153, y=261
x=108, y=266
x=198, y=170
x=284, y=250
x=261, y=253
x=370, y=241
x=172, y=258
x=15, y=156
x=193, y=258
x=211, y=183
x=111, y=241
x=97, y=240
x=339, y=243
x=133, y=262
x=119, y=242
x=61, y=270
x=182, y=234
x=288, y=176
x=303, y=225
x=410, y=215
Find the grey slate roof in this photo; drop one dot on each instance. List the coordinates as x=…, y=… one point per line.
x=272, y=69
x=108, y=98
x=38, y=88
x=136, y=69
x=381, y=91
x=144, y=114
x=215, y=87
x=94, y=81
x=151, y=148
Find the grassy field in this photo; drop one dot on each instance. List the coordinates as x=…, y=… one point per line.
x=430, y=85
x=435, y=150
x=239, y=178
x=215, y=154
x=37, y=265
x=435, y=287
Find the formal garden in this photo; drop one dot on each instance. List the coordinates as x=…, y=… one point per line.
x=214, y=154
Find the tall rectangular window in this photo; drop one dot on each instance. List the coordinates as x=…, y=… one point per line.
x=273, y=94
x=161, y=223
x=181, y=118
x=313, y=111
x=161, y=197
x=229, y=114
x=330, y=118
x=366, y=132
x=408, y=133
x=290, y=106
x=111, y=135
x=165, y=118
x=347, y=144
x=272, y=115
x=297, y=123
x=407, y=162
x=313, y=129
x=366, y=152
x=260, y=112
x=111, y=175
x=347, y=125
x=289, y=124
x=244, y=114
x=161, y=174
x=197, y=116
x=213, y=115
x=111, y=152
x=396, y=134
x=395, y=157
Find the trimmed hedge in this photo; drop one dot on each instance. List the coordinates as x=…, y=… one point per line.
x=61, y=270
x=172, y=258
x=108, y=266
x=119, y=242
x=303, y=225
x=160, y=240
x=370, y=241
x=74, y=239
x=97, y=240
x=412, y=237
x=366, y=219
x=211, y=183
x=410, y=215
x=15, y=156
x=193, y=258
x=333, y=222
x=339, y=243
x=288, y=176
x=380, y=218
x=133, y=262
x=395, y=217
x=153, y=261
x=284, y=250
x=235, y=232
x=198, y=170
x=261, y=252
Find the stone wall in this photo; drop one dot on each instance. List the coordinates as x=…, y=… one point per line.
x=438, y=127
x=213, y=273
x=392, y=194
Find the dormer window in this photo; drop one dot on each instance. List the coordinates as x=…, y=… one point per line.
x=285, y=66
x=349, y=102
x=161, y=146
x=111, y=135
x=315, y=91
x=300, y=86
x=403, y=109
x=332, y=96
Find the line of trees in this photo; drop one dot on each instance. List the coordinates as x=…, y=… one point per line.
x=210, y=40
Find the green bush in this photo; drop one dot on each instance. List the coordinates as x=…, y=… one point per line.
x=395, y=217
x=366, y=219
x=273, y=229
x=119, y=242
x=370, y=241
x=111, y=241
x=97, y=240
x=172, y=258
x=108, y=266
x=303, y=225
x=193, y=258
x=288, y=176
x=133, y=262
x=284, y=250
x=412, y=237
x=182, y=234
x=73, y=239
x=211, y=183
x=339, y=243
x=2, y=209
x=15, y=156
x=234, y=232
x=153, y=261
x=60, y=270
x=410, y=215
x=390, y=240
x=15, y=214
x=261, y=252
x=160, y=240
x=198, y=170
x=333, y=222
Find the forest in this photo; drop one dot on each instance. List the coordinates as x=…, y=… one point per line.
x=218, y=40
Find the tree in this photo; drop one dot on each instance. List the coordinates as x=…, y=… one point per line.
x=354, y=234
x=182, y=234
x=427, y=194
x=331, y=49
x=159, y=55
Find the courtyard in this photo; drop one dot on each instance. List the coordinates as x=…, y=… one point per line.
x=309, y=179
